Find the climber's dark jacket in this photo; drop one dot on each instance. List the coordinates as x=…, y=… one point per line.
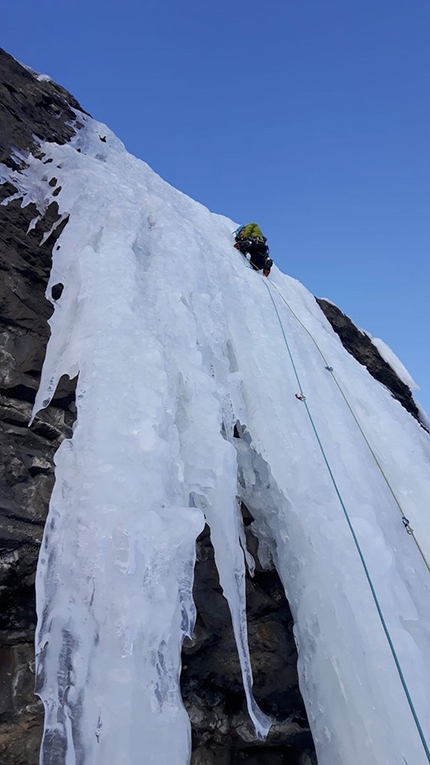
x=250, y=239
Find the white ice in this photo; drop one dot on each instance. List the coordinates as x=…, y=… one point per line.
x=176, y=341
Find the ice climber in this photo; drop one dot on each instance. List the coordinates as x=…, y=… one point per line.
x=250, y=240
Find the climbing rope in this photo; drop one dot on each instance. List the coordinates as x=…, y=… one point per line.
x=302, y=398
x=405, y=521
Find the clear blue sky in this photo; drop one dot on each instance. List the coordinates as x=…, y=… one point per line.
x=311, y=117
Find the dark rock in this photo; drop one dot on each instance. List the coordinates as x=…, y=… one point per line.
x=359, y=345
x=28, y=108
x=211, y=681
x=57, y=291
x=21, y=713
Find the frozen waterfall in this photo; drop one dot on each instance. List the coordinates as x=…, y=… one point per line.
x=177, y=343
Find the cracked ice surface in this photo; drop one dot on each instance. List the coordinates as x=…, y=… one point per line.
x=175, y=342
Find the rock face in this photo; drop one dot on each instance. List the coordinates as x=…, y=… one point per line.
x=31, y=108
x=361, y=347
x=27, y=108
x=211, y=681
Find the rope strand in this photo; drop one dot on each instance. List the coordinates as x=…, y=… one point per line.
x=409, y=530
x=356, y=542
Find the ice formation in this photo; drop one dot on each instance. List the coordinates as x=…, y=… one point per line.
x=177, y=342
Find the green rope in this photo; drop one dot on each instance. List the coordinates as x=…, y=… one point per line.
x=356, y=542
x=390, y=488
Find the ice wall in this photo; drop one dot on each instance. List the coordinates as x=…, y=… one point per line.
x=176, y=342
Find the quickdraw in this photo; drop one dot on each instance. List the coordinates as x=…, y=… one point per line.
x=407, y=526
